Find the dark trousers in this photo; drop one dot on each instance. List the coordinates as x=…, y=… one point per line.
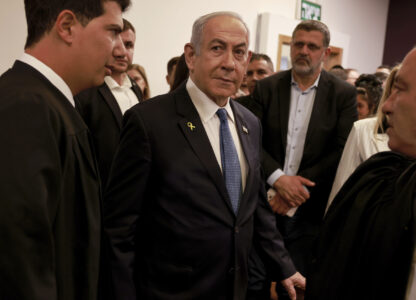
x=299, y=237
x=258, y=283
x=263, y=294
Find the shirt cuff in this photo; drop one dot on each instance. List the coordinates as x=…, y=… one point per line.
x=274, y=176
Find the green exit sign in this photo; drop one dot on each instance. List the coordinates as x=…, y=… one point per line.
x=310, y=11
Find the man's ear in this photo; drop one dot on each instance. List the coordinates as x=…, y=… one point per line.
x=65, y=25
x=250, y=53
x=327, y=52
x=190, y=55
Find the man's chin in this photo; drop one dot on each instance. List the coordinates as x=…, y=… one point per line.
x=220, y=96
x=108, y=71
x=302, y=70
x=119, y=70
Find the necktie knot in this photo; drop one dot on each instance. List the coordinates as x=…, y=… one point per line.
x=222, y=114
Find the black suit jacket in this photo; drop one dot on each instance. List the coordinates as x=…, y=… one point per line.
x=49, y=193
x=168, y=214
x=333, y=114
x=103, y=116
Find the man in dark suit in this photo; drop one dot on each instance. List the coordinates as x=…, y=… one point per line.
x=50, y=220
x=102, y=107
x=184, y=200
x=306, y=115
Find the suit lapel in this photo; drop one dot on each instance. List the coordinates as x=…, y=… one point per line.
x=193, y=129
x=284, y=86
x=136, y=90
x=319, y=102
x=112, y=103
x=243, y=131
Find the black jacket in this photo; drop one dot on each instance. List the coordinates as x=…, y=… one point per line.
x=366, y=243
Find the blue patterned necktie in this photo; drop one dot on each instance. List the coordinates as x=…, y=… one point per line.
x=229, y=160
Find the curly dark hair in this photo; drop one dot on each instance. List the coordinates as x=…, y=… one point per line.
x=373, y=87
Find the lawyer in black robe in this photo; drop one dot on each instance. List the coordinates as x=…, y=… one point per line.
x=49, y=193
x=366, y=243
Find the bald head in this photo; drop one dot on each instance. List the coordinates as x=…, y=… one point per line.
x=400, y=108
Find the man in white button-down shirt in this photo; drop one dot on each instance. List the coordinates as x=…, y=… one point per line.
x=306, y=115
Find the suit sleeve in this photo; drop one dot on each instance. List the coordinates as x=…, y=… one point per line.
x=30, y=190
x=123, y=201
x=269, y=241
x=276, y=258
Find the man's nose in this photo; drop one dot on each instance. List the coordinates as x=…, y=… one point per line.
x=304, y=49
x=228, y=60
x=387, y=105
x=119, y=48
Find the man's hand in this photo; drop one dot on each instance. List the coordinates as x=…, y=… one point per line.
x=278, y=205
x=296, y=281
x=292, y=189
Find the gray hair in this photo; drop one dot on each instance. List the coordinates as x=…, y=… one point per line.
x=198, y=27
x=310, y=25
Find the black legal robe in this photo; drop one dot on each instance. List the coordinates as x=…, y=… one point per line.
x=366, y=243
x=49, y=193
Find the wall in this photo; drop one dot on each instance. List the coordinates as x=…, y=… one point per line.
x=400, y=37
x=270, y=26
x=13, y=32
x=365, y=22
x=163, y=27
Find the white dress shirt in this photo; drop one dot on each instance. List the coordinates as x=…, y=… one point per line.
x=50, y=74
x=123, y=93
x=301, y=105
x=207, y=109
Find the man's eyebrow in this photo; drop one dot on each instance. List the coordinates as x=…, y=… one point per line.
x=399, y=80
x=115, y=27
x=244, y=44
x=219, y=41
x=223, y=43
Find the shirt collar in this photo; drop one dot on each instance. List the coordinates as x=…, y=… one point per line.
x=50, y=74
x=204, y=105
x=313, y=86
x=112, y=84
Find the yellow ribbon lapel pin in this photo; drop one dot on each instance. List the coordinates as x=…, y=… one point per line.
x=190, y=125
